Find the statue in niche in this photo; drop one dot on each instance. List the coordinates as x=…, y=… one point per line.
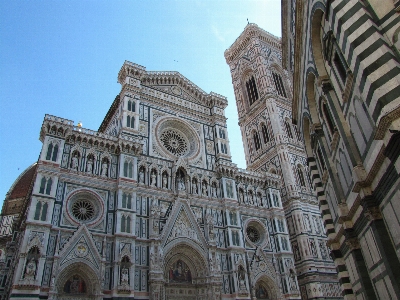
x=89, y=166
x=242, y=278
x=259, y=200
x=75, y=162
x=194, y=187
x=241, y=196
x=153, y=179
x=75, y=285
x=180, y=272
x=204, y=189
x=261, y=292
x=164, y=181
x=124, y=276
x=229, y=190
x=104, y=168
x=30, y=270
x=181, y=181
x=251, y=198
x=141, y=175
x=214, y=190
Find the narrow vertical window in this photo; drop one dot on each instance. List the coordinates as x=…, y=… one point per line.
x=256, y=140
x=340, y=67
x=300, y=175
x=251, y=88
x=42, y=185
x=130, y=166
x=48, y=187
x=123, y=224
x=125, y=169
x=128, y=121
x=129, y=105
x=328, y=118
x=128, y=224
x=44, y=212
x=49, y=151
x=321, y=159
x=288, y=130
x=123, y=200
x=132, y=122
x=133, y=106
x=129, y=202
x=265, y=133
x=55, y=152
x=37, y=211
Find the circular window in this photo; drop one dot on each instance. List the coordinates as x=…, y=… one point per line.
x=174, y=142
x=175, y=138
x=83, y=210
x=84, y=207
x=253, y=234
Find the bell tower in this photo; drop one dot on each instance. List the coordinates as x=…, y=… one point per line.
x=272, y=145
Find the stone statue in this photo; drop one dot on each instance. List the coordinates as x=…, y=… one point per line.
x=241, y=196
x=75, y=163
x=181, y=183
x=30, y=270
x=164, y=181
x=104, y=168
x=259, y=200
x=124, y=276
x=153, y=179
x=229, y=191
x=194, y=187
x=204, y=189
x=89, y=166
x=214, y=191
x=141, y=176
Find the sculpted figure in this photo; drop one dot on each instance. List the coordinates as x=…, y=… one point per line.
x=153, y=179
x=204, y=189
x=164, y=181
x=141, y=176
x=124, y=276
x=214, y=191
x=75, y=163
x=229, y=192
x=30, y=270
x=194, y=187
x=181, y=183
x=104, y=168
x=89, y=166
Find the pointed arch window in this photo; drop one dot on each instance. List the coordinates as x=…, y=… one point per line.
x=126, y=224
x=126, y=201
x=52, y=151
x=41, y=211
x=131, y=106
x=265, y=133
x=130, y=121
x=128, y=166
x=45, y=186
x=300, y=176
x=251, y=89
x=279, y=84
x=327, y=116
x=256, y=138
x=288, y=130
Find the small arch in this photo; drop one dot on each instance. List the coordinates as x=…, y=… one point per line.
x=316, y=41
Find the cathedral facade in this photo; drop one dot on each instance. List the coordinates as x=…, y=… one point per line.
x=150, y=206
x=343, y=57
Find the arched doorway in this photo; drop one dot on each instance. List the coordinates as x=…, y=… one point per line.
x=77, y=281
x=265, y=289
x=185, y=273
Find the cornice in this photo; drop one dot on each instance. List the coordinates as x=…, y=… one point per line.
x=250, y=31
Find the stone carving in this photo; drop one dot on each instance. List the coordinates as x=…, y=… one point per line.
x=183, y=228
x=104, y=168
x=229, y=189
x=141, y=175
x=30, y=270
x=164, y=181
x=153, y=179
x=75, y=162
x=89, y=166
x=181, y=182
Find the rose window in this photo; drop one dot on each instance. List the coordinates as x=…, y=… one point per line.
x=174, y=142
x=253, y=234
x=83, y=210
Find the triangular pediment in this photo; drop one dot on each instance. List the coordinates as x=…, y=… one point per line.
x=80, y=247
x=182, y=224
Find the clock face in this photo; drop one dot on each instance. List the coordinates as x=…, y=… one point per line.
x=81, y=250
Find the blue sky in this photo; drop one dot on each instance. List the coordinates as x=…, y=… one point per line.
x=62, y=58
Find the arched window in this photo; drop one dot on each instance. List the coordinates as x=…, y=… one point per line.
x=123, y=220
x=300, y=176
x=251, y=89
x=288, y=130
x=48, y=187
x=49, y=151
x=128, y=224
x=131, y=106
x=55, y=152
x=38, y=210
x=279, y=84
x=128, y=121
x=125, y=169
x=276, y=200
x=265, y=133
x=42, y=185
x=52, y=151
x=328, y=118
x=44, y=212
x=256, y=138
